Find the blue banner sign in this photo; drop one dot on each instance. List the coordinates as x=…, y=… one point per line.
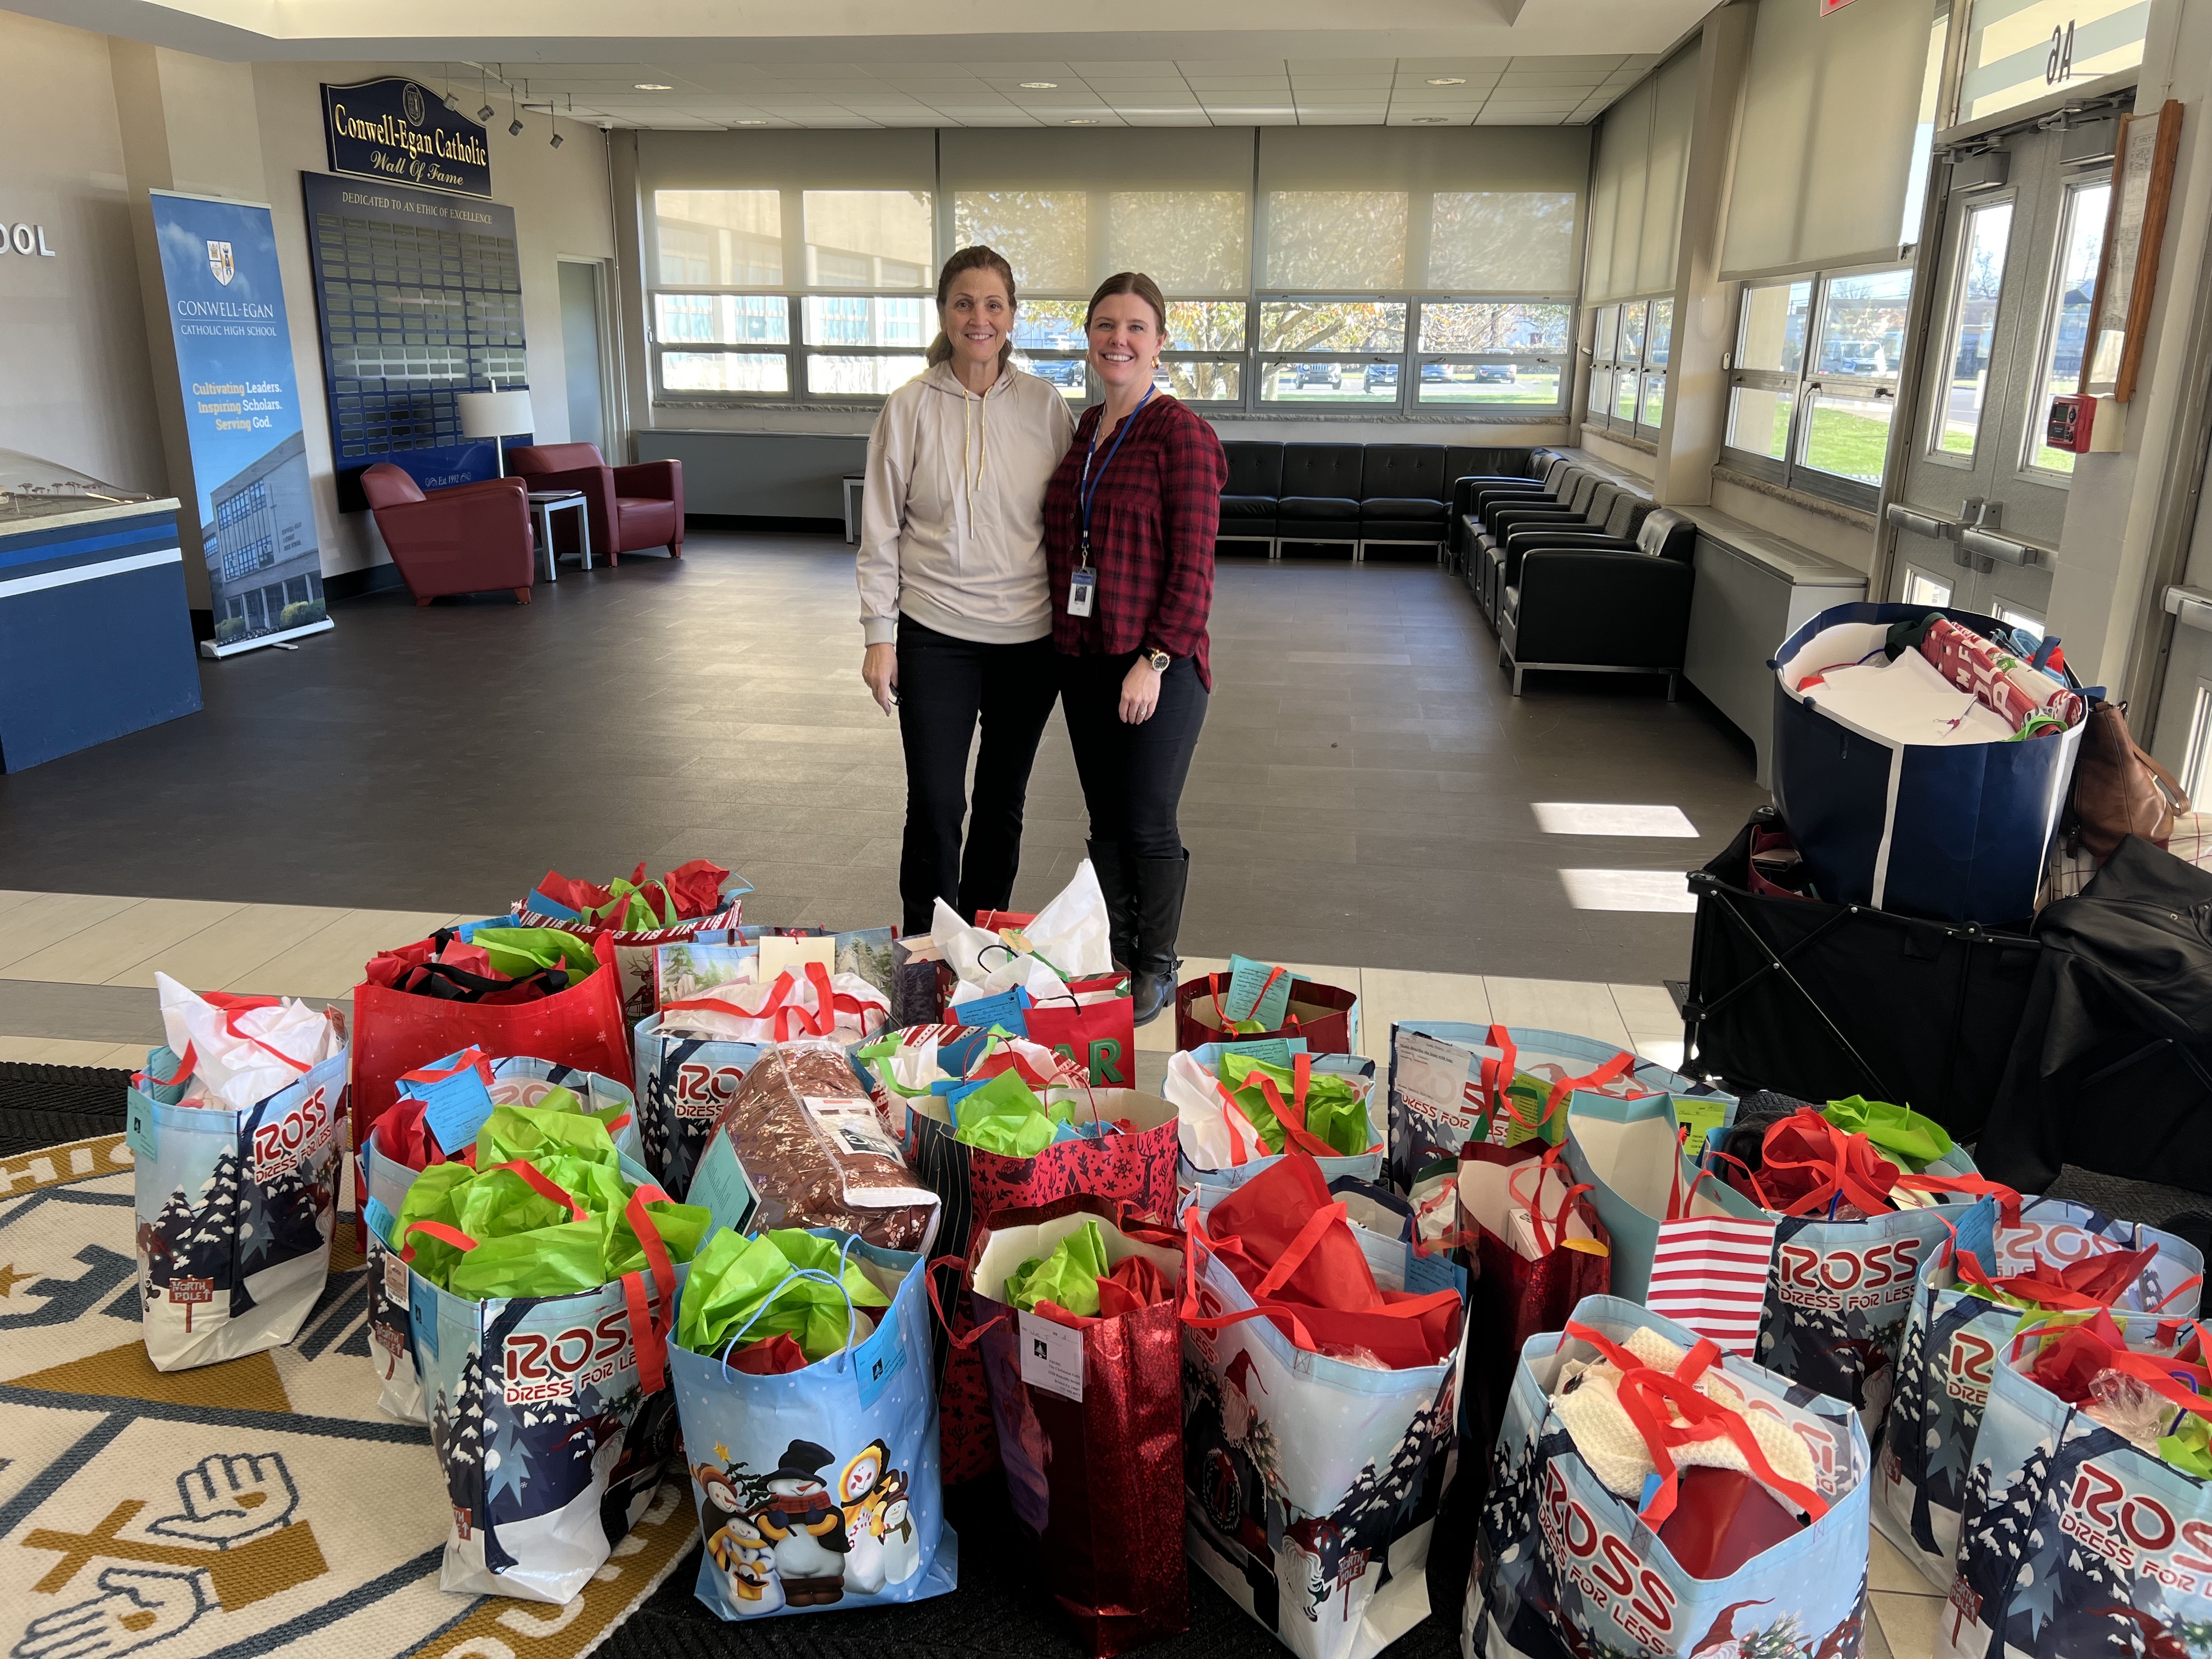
x=241, y=407
x=400, y=131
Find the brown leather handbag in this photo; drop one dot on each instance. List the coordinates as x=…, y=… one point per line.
x=2119, y=790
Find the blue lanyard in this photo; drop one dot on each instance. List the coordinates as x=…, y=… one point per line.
x=1087, y=491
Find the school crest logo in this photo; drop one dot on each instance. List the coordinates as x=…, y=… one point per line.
x=410, y=100
x=220, y=262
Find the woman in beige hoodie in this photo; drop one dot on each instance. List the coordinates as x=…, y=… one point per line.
x=953, y=607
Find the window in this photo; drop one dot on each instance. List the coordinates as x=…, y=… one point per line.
x=1321, y=240
x=1629, y=351
x=2197, y=763
x=719, y=238
x=1921, y=589
x=2018, y=51
x=1975, y=291
x=1495, y=354
x=1306, y=270
x=1813, y=380
x=2066, y=322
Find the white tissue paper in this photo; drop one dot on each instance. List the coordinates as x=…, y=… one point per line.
x=1070, y=935
x=238, y=1055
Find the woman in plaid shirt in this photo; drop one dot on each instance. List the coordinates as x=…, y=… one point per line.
x=1129, y=522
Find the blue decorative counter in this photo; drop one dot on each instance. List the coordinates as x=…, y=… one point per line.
x=95, y=632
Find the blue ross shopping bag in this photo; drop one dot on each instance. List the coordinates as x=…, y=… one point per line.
x=2073, y=1541
x=1563, y=1566
x=1959, y=833
x=1953, y=1342
x=819, y=1488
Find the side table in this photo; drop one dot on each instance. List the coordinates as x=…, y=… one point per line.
x=543, y=504
x=854, y=482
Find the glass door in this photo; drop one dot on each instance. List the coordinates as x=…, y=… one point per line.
x=1983, y=498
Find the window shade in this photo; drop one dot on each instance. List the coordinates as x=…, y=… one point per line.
x=1637, y=183
x=1473, y=210
x=1070, y=209
x=1824, y=146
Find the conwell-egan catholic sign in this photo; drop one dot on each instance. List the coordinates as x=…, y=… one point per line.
x=400, y=131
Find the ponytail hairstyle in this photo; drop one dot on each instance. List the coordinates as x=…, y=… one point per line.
x=970, y=259
x=1130, y=282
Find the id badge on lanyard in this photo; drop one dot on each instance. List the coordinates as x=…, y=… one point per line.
x=1082, y=581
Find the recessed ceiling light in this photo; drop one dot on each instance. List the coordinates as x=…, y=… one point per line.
x=752, y=121
x=1083, y=124
x=1430, y=120
x=653, y=86
x=1448, y=80
x=1039, y=86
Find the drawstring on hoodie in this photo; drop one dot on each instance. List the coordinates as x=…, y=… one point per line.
x=982, y=447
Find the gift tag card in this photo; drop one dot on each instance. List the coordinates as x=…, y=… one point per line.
x=395, y=1277
x=456, y=1096
x=781, y=954
x=1431, y=1076
x=138, y=1126
x=1700, y=1115
x=1432, y=1271
x=1274, y=1051
x=1258, y=991
x=1009, y=1011
x=874, y=1366
x=1052, y=1356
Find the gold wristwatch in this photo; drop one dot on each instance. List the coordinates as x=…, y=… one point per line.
x=1159, y=660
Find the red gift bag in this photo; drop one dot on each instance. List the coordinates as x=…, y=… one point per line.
x=1094, y=1024
x=1325, y=1015
x=1137, y=1169
x=1095, y=1476
x=1512, y=1297
x=395, y=1031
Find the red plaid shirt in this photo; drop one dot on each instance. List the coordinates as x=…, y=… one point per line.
x=1152, y=525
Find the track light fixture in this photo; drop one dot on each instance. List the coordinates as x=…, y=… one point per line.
x=550, y=123
x=453, y=98
x=515, y=127
x=484, y=114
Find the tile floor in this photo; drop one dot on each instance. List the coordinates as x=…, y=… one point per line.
x=1367, y=790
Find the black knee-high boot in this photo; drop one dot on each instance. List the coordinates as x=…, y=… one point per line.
x=1111, y=860
x=1160, y=884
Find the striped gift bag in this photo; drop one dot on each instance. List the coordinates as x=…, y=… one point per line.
x=1709, y=1272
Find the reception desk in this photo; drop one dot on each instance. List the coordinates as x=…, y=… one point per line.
x=95, y=632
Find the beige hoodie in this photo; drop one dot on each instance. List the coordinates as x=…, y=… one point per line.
x=952, y=518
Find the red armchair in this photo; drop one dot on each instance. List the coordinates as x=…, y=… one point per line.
x=468, y=539
x=629, y=508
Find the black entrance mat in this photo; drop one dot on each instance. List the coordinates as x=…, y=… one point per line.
x=45, y=1105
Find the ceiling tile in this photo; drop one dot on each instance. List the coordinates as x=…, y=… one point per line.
x=1343, y=82
x=1153, y=67
x=1343, y=65
x=1333, y=118
x=1487, y=119
x=1230, y=66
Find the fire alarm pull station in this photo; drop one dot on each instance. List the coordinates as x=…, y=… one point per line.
x=2077, y=425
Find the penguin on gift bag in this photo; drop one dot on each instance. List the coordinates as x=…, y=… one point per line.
x=805, y=1528
x=894, y=1526
x=857, y=1485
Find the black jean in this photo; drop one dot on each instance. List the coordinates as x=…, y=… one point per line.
x=1133, y=775
x=946, y=687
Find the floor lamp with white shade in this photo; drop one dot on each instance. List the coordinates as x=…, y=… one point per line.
x=495, y=415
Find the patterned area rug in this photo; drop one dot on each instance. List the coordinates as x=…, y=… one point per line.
x=237, y=1509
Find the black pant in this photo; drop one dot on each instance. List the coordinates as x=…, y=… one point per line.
x=1133, y=775
x=946, y=686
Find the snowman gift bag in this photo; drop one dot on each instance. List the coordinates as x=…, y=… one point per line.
x=801, y=1363
x=233, y=1128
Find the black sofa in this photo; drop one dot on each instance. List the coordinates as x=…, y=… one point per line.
x=1355, y=495
x=1599, y=604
